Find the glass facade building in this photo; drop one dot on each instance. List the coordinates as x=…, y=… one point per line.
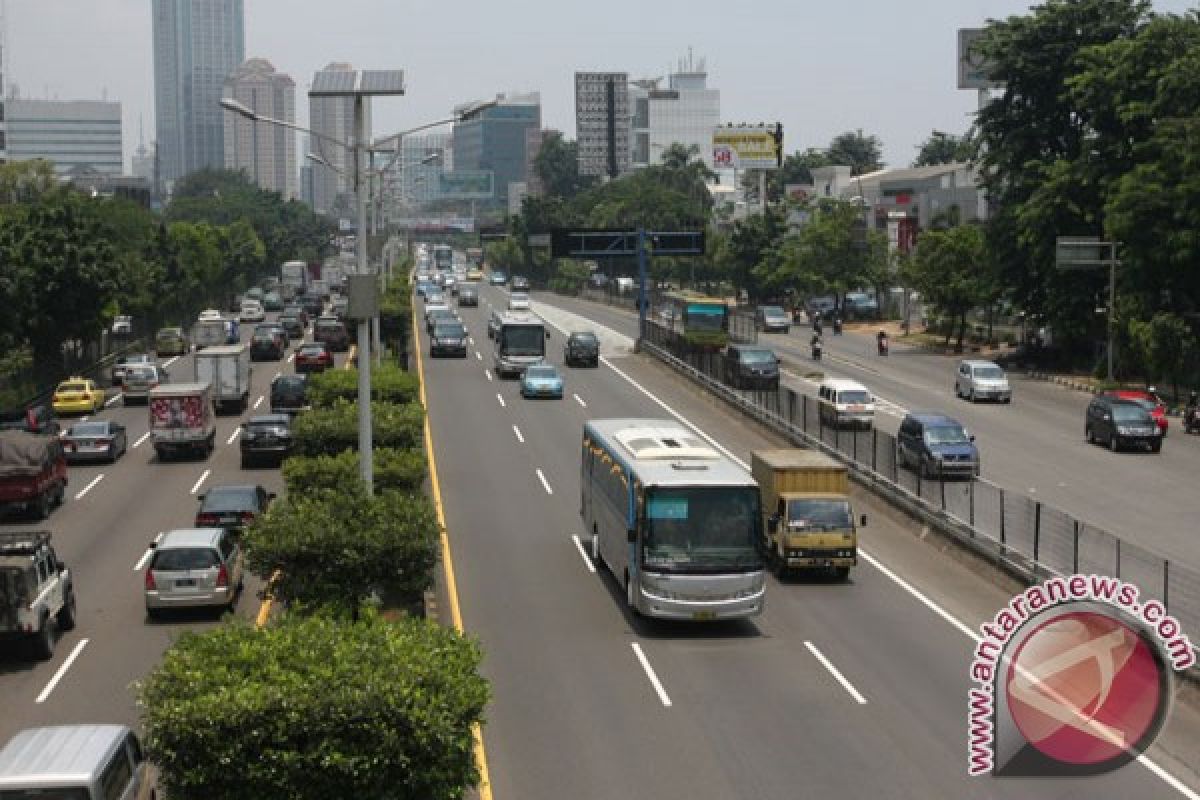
x=197, y=44
x=495, y=139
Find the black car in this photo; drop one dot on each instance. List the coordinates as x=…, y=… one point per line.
x=266, y=438
x=297, y=310
x=312, y=304
x=520, y=283
x=293, y=325
x=448, y=339
x=276, y=328
x=1121, y=423
x=332, y=333
x=232, y=507
x=582, y=348
x=266, y=346
x=750, y=367
x=289, y=394
x=468, y=295
x=439, y=316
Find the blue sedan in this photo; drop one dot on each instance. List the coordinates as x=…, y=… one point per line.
x=541, y=380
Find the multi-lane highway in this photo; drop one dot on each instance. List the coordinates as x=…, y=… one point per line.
x=1034, y=445
x=855, y=689
x=102, y=532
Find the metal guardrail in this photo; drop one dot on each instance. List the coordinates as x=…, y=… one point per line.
x=1026, y=537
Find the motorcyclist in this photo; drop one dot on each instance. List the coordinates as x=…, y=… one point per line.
x=881, y=340
x=837, y=326
x=815, y=344
x=1191, y=412
x=817, y=322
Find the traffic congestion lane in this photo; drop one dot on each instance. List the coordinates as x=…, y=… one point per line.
x=1033, y=446
x=916, y=666
x=103, y=538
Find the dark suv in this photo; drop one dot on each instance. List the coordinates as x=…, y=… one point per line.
x=582, y=348
x=289, y=394
x=936, y=446
x=266, y=346
x=1121, y=423
x=332, y=333
x=750, y=367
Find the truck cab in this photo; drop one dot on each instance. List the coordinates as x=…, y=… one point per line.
x=809, y=522
x=36, y=591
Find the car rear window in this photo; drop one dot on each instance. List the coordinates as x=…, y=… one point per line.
x=312, y=350
x=229, y=499
x=451, y=329
x=72, y=387
x=181, y=558
x=89, y=429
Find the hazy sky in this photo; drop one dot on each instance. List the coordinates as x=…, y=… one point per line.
x=820, y=68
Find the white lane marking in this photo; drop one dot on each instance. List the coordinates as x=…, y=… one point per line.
x=236, y=433
x=916, y=593
x=658, y=687
x=291, y=357
x=583, y=553
x=171, y=361
x=108, y=403
x=501, y=399
x=277, y=374
x=471, y=339
x=142, y=438
x=58, y=676
x=88, y=488
x=545, y=483
x=517, y=431
x=487, y=372
x=477, y=356
x=258, y=402
x=579, y=400
x=84, y=418
x=825, y=662
x=203, y=477
x=146, y=555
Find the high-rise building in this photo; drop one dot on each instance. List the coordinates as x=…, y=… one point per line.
x=423, y=159
x=494, y=140
x=602, y=125
x=3, y=78
x=197, y=44
x=78, y=136
x=264, y=151
x=333, y=117
x=685, y=112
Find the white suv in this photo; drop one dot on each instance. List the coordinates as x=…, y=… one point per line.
x=252, y=311
x=36, y=591
x=981, y=380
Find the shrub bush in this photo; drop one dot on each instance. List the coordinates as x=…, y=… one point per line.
x=329, y=431
x=401, y=470
x=389, y=384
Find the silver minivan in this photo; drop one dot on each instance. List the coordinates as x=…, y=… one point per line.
x=194, y=567
x=981, y=380
x=76, y=762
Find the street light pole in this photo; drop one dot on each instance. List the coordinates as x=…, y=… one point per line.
x=365, y=448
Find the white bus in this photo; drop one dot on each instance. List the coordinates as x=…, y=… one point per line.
x=673, y=520
x=520, y=341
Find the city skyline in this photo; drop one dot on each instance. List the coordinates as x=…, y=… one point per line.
x=818, y=71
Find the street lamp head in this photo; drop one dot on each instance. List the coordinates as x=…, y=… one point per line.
x=322, y=161
x=229, y=104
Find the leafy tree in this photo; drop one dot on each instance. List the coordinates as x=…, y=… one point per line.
x=795, y=169
x=557, y=166
x=312, y=708
x=26, y=181
x=339, y=547
x=1166, y=345
x=949, y=269
x=942, y=148
x=861, y=153
x=742, y=252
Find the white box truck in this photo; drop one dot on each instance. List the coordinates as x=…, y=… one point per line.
x=228, y=369
x=181, y=419
x=209, y=333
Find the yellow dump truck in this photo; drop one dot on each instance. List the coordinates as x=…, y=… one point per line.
x=809, y=523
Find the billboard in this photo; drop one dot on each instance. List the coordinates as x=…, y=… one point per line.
x=973, y=69
x=473, y=184
x=750, y=147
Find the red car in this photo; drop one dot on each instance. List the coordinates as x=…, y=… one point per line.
x=1148, y=401
x=313, y=357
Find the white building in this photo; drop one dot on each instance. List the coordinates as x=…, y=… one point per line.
x=685, y=112
x=264, y=151
x=333, y=117
x=76, y=135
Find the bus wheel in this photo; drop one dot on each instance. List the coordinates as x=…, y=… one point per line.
x=630, y=596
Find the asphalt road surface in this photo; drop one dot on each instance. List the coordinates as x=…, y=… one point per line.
x=856, y=689
x=111, y=514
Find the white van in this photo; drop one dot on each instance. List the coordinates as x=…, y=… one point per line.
x=87, y=762
x=845, y=404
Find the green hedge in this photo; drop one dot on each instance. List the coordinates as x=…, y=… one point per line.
x=329, y=431
x=389, y=384
x=402, y=470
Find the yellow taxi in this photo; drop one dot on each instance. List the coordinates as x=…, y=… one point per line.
x=474, y=274
x=78, y=396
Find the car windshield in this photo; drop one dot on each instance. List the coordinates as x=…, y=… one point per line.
x=584, y=338
x=541, y=373
x=184, y=558
x=1149, y=405
x=140, y=373
x=773, y=311
x=856, y=396
x=269, y=425
x=989, y=373
x=265, y=336
x=1131, y=412
x=946, y=434
x=699, y=529
x=230, y=498
x=286, y=383
x=311, y=350
x=328, y=325
x=88, y=429
x=758, y=357
x=819, y=515
x=449, y=330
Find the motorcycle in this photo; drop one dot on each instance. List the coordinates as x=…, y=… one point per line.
x=883, y=345
x=837, y=326
x=816, y=350
x=1191, y=419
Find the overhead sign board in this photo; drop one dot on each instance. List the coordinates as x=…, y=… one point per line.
x=1082, y=252
x=974, y=71
x=474, y=184
x=616, y=243
x=754, y=147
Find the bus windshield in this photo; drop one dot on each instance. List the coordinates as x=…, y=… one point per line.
x=705, y=317
x=522, y=340
x=700, y=529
